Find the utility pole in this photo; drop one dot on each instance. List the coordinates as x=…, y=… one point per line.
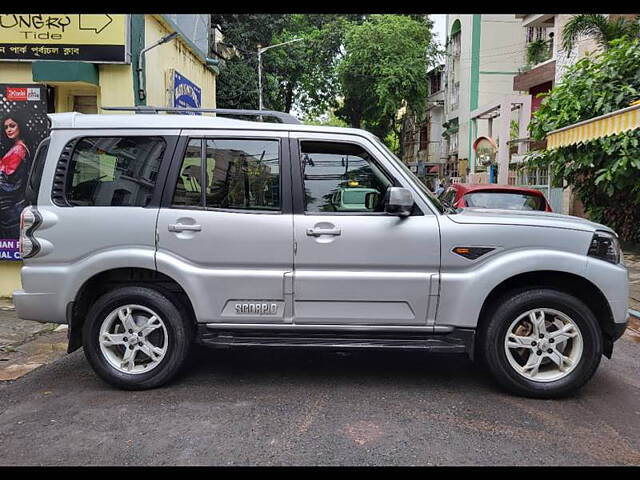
x=261, y=50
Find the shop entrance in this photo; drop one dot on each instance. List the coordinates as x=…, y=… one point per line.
x=85, y=104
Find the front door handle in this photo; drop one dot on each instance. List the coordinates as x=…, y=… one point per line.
x=316, y=232
x=181, y=227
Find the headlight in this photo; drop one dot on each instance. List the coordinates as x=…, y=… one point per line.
x=605, y=246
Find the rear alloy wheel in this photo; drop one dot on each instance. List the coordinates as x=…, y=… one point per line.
x=542, y=343
x=133, y=339
x=136, y=337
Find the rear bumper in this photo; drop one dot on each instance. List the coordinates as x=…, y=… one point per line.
x=41, y=307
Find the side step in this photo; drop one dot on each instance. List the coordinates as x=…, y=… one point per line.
x=456, y=341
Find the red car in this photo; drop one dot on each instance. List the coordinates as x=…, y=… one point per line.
x=495, y=196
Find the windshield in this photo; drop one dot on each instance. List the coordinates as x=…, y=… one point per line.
x=504, y=200
x=435, y=201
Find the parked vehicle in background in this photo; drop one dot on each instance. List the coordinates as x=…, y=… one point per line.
x=149, y=232
x=507, y=197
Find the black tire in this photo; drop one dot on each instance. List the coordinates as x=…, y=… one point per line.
x=180, y=333
x=514, y=304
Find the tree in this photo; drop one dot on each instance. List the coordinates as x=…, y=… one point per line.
x=605, y=172
x=599, y=27
x=237, y=84
x=301, y=73
x=383, y=70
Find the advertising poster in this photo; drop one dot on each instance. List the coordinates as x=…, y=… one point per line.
x=96, y=38
x=23, y=118
x=186, y=94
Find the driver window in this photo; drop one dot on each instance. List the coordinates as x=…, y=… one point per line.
x=341, y=177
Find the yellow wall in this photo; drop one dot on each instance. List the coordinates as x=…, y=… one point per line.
x=9, y=277
x=116, y=86
x=174, y=54
x=11, y=72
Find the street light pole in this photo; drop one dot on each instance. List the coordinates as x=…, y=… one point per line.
x=259, y=78
x=261, y=50
x=140, y=67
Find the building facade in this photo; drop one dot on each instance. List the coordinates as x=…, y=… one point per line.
x=86, y=62
x=483, y=54
x=424, y=148
x=539, y=74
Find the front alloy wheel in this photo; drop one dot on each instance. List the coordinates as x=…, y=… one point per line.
x=541, y=342
x=543, y=345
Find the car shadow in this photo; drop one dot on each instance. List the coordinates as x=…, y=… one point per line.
x=304, y=366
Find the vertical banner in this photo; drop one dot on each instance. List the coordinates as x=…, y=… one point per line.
x=24, y=123
x=186, y=94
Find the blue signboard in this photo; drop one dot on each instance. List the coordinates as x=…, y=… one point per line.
x=186, y=94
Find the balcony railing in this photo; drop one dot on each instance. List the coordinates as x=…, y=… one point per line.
x=538, y=51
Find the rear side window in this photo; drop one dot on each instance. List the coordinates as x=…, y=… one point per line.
x=114, y=171
x=504, y=200
x=239, y=174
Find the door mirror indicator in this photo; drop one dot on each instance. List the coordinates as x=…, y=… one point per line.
x=399, y=201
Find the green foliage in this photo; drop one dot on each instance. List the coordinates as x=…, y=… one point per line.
x=598, y=27
x=301, y=73
x=514, y=130
x=328, y=119
x=237, y=84
x=538, y=51
x=383, y=70
x=365, y=68
x=605, y=172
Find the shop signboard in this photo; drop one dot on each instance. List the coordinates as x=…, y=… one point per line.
x=96, y=38
x=186, y=94
x=23, y=118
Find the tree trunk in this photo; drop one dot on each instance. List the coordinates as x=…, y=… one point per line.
x=395, y=128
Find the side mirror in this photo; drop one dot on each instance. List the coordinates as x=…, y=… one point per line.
x=399, y=201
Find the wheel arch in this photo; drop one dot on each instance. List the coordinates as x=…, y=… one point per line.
x=101, y=282
x=569, y=283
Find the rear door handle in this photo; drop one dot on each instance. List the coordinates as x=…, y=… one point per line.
x=181, y=227
x=316, y=232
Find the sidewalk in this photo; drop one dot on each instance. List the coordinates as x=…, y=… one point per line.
x=632, y=260
x=26, y=345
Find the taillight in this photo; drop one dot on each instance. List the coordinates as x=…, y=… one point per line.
x=30, y=220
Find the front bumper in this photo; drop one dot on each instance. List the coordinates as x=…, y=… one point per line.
x=618, y=329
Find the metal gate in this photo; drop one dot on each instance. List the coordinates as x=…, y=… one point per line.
x=540, y=179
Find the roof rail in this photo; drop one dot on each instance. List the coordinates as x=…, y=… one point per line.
x=281, y=116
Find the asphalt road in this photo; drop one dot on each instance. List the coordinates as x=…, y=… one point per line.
x=296, y=407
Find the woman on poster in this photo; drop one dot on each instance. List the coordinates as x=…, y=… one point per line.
x=14, y=171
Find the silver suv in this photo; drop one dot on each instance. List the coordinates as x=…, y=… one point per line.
x=149, y=232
